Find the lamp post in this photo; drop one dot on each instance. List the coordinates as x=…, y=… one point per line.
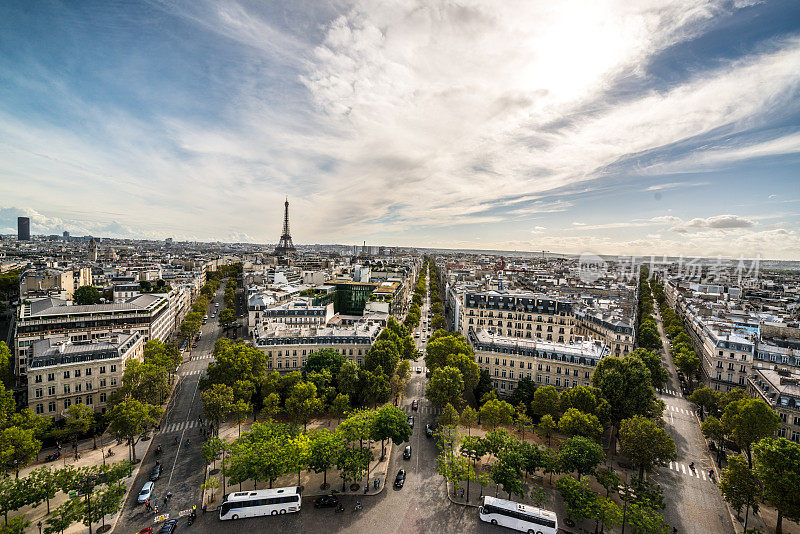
x=627, y=494
x=39, y=524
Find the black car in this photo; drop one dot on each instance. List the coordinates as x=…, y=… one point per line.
x=411, y=421
x=407, y=452
x=155, y=474
x=326, y=501
x=400, y=479
x=169, y=526
x=428, y=431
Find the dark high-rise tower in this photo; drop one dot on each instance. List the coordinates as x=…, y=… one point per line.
x=285, y=245
x=24, y=228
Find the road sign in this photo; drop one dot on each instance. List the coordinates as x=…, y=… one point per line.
x=160, y=518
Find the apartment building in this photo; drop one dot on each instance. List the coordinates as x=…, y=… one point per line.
x=780, y=389
x=63, y=372
x=298, y=312
x=47, y=282
x=509, y=359
x=613, y=329
x=287, y=347
x=520, y=315
x=148, y=314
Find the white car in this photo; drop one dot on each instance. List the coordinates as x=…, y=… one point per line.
x=145, y=493
x=419, y=369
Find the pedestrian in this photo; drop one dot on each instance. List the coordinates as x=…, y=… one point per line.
x=155, y=509
x=147, y=504
x=204, y=507
x=169, y=495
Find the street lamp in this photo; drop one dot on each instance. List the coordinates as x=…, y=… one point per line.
x=39, y=524
x=627, y=494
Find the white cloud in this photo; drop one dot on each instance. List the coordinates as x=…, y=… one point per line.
x=720, y=221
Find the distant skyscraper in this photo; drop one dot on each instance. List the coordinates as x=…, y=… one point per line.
x=285, y=245
x=66, y=235
x=24, y=228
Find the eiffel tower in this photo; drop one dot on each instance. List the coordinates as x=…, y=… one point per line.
x=285, y=245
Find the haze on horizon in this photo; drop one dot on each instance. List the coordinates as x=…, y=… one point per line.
x=640, y=127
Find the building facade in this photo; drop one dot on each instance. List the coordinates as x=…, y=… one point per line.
x=63, y=373
x=509, y=359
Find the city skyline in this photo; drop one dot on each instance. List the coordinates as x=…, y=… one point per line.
x=664, y=128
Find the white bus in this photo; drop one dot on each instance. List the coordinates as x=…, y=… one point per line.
x=276, y=501
x=518, y=516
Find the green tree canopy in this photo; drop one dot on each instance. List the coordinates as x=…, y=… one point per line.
x=445, y=386
x=577, y=423
x=496, y=412
x=747, y=421
x=777, y=462
x=581, y=455
x=645, y=443
x=86, y=295
x=324, y=360
x=546, y=401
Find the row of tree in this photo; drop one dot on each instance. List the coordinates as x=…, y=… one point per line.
x=683, y=353
x=271, y=449
x=93, y=493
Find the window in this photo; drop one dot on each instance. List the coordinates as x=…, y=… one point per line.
x=51, y=377
x=51, y=406
x=113, y=368
x=77, y=373
x=39, y=393
x=113, y=382
x=66, y=389
x=38, y=379
x=102, y=369
x=102, y=382
x=66, y=374
x=88, y=371
x=102, y=397
x=67, y=403
x=88, y=386
x=89, y=400
x=51, y=390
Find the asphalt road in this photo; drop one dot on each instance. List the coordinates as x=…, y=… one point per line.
x=182, y=464
x=693, y=501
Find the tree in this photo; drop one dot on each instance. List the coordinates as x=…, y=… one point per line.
x=12, y=495
x=625, y=384
x=324, y=448
x=578, y=497
x=303, y=402
x=740, y=486
x=390, y=422
x=324, y=359
x=438, y=322
x=645, y=443
x=217, y=403
x=506, y=471
x=607, y=478
x=18, y=448
x=45, y=484
x=340, y=405
x=470, y=371
x=523, y=392
x=747, y=421
x=130, y=418
x=706, y=398
x=211, y=450
x=5, y=363
x=272, y=405
x=15, y=525
x=347, y=379
x=445, y=386
x=468, y=418
x=496, y=413
x=777, y=463
x=383, y=354
x=63, y=516
x=227, y=317
x=652, y=360
x=439, y=349
x=688, y=363
x=484, y=386
x=546, y=427
x=78, y=420
x=86, y=295
x=581, y=455
x=576, y=423
x=546, y=401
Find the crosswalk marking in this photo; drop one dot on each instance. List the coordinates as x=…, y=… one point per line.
x=670, y=392
x=682, y=468
x=679, y=410
x=188, y=373
x=178, y=427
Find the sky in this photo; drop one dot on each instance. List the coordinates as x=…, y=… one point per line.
x=611, y=127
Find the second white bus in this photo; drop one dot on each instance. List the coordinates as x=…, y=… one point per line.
x=518, y=516
x=276, y=501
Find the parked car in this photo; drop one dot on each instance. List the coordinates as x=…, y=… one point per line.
x=169, y=526
x=427, y=374
x=155, y=474
x=145, y=492
x=326, y=501
x=419, y=369
x=428, y=431
x=407, y=453
x=415, y=405
x=411, y=421
x=148, y=530
x=216, y=304
x=55, y=455
x=400, y=479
